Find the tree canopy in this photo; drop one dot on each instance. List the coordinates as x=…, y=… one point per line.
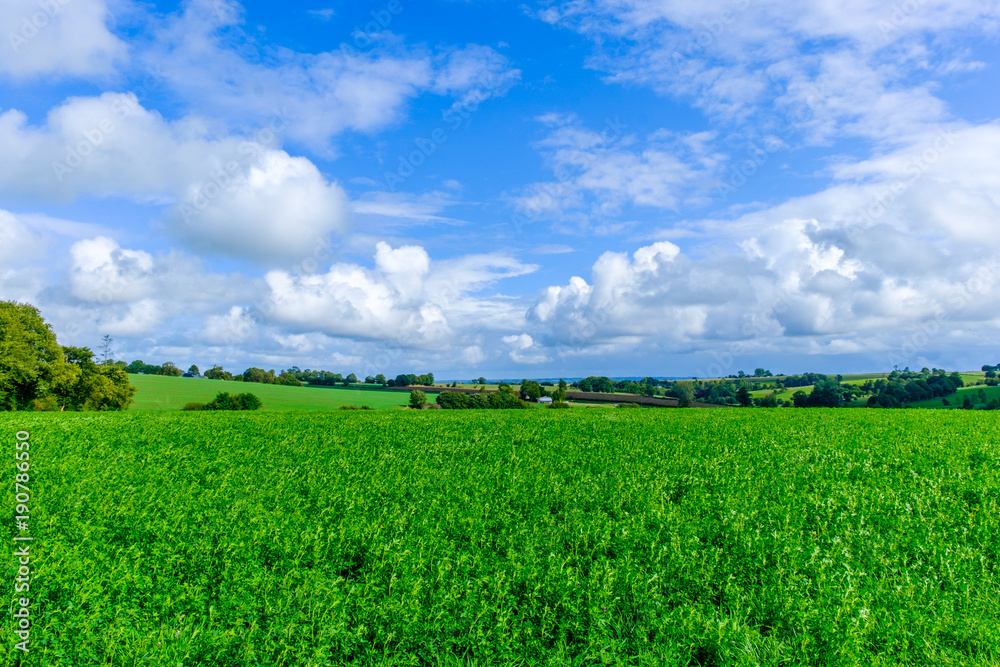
x=36, y=373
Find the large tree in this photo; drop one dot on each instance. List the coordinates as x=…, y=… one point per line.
x=31, y=361
x=36, y=373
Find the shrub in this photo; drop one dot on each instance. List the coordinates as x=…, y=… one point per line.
x=224, y=401
x=626, y=405
x=559, y=405
x=356, y=407
x=418, y=399
x=193, y=406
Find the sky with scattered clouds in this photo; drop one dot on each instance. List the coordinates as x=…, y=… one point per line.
x=509, y=189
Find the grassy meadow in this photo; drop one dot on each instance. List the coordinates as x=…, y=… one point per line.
x=956, y=399
x=158, y=392
x=590, y=537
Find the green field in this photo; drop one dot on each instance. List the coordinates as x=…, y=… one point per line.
x=955, y=400
x=592, y=537
x=156, y=392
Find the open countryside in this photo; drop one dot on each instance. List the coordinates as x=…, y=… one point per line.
x=541, y=333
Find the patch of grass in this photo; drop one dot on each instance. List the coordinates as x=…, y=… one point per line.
x=166, y=393
x=955, y=400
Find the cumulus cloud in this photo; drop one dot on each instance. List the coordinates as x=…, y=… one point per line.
x=524, y=350
x=407, y=298
x=230, y=195
x=57, y=38
x=897, y=242
x=132, y=293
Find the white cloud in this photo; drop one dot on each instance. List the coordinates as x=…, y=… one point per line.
x=896, y=242
x=218, y=70
x=406, y=298
x=524, y=350
x=602, y=171
x=132, y=293
x=57, y=38
x=18, y=241
x=229, y=195
x=823, y=69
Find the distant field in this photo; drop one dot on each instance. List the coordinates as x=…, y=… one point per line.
x=157, y=392
x=785, y=394
x=673, y=538
x=955, y=400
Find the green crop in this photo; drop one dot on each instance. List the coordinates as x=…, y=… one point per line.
x=539, y=537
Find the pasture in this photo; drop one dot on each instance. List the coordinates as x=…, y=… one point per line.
x=539, y=537
x=157, y=392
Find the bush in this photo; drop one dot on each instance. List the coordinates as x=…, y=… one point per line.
x=559, y=405
x=356, y=407
x=418, y=399
x=501, y=400
x=626, y=405
x=223, y=401
x=193, y=406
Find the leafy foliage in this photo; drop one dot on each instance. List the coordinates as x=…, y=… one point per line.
x=581, y=537
x=504, y=399
x=36, y=373
x=226, y=401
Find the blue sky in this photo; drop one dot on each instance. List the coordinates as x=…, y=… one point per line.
x=623, y=187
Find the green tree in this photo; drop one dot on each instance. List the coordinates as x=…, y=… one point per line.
x=418, y=399
x=194, y=370
x=380, y=379
x=685, y=393
x=107, y=349
x=217, y=373
x=350, y=379
x=743, y=397
x=561, y=391
x=32, y=363
x=530, y=390
x=170, y=369
x=770, y=401
x=255, y=375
